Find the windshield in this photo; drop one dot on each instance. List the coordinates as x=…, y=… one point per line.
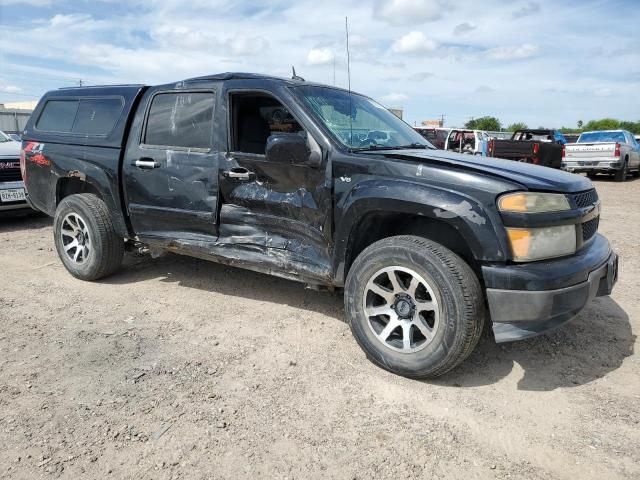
x=370, y=127
x=4, y=137
x=591, y=137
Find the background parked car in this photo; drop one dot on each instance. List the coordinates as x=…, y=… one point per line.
x=12, y=192
x=538, y=146
x=437, y=136
x=614, y=152
x=472, y=142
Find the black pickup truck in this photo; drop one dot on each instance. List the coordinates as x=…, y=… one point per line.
x=537, y=146
x=294, y=179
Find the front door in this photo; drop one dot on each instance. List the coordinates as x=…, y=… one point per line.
x=171, y=166
x=283, y=210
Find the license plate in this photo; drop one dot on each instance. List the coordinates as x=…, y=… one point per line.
x=12, y=195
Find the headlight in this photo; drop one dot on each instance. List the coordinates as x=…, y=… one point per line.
x=528, y=244
x=533, y=202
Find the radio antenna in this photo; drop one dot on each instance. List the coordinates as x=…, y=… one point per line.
x=346, y=28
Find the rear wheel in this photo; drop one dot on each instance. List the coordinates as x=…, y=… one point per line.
x=414, y=306
x=85, y=237
x=621, y=175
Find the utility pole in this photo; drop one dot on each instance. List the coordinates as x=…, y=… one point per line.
x=442, y=117
x=80, y=83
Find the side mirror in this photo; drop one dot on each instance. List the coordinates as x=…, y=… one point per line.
x=292, y=149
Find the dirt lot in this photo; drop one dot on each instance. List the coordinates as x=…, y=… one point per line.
x=179, y=368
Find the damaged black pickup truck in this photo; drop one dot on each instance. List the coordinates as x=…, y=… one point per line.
x=315, y=184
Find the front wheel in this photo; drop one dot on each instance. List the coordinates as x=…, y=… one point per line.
x=415, y=307
x=85, y=238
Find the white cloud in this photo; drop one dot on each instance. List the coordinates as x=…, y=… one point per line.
x=484, y=89
x=526, y=10
x=34, y=3
x=463, y=28
x=10, y=89
x=516, y=52
x=243, y=45
x=61, y=20
x=394, y=98
x=602, y=92
x=407, y=12
x=414, y=43
x=320, y=56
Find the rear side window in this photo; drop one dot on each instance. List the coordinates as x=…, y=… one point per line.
x=58, y=116
x=180, y=120
x=88, y=116
x=97, y=116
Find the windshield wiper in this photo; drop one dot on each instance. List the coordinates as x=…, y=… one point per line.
x=413, y=145
x=373, y=147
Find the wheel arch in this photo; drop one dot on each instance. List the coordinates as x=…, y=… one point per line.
x=451, y=219
x=96, y=183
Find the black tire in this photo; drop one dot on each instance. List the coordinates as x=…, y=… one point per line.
x=592, y=176
x=621, y=175
x=458, y=292
x=106, y=246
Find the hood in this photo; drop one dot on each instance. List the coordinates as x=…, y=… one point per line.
x=533, y=177
x=10, y=149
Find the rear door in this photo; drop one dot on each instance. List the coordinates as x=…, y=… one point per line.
x=171, y=165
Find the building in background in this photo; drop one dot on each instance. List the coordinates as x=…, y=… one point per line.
x=27, y=105
x=14, y=116
x=437, y=123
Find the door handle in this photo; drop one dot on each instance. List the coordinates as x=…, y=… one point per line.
x=238, y=173
x=147, y=163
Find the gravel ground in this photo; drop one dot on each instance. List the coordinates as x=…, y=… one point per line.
x=180, y=368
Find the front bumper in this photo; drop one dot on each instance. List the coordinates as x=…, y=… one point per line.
x=549, y=293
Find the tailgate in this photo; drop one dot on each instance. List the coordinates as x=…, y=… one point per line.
x=512, y=148
x=587, y=151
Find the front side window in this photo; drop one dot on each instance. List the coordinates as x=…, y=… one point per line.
x=182, y=120
x=255, y=117
x=357, y=122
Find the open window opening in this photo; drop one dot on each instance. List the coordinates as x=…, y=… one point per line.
x=254, y=117
x=462, y=142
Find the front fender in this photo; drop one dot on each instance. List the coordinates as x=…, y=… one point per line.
x=477, y=222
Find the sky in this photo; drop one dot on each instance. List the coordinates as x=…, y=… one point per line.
x=544, y=63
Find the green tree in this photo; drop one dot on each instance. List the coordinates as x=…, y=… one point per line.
x=603, y=124
x=491, y=124
x=633, y=127
x=517, y=126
